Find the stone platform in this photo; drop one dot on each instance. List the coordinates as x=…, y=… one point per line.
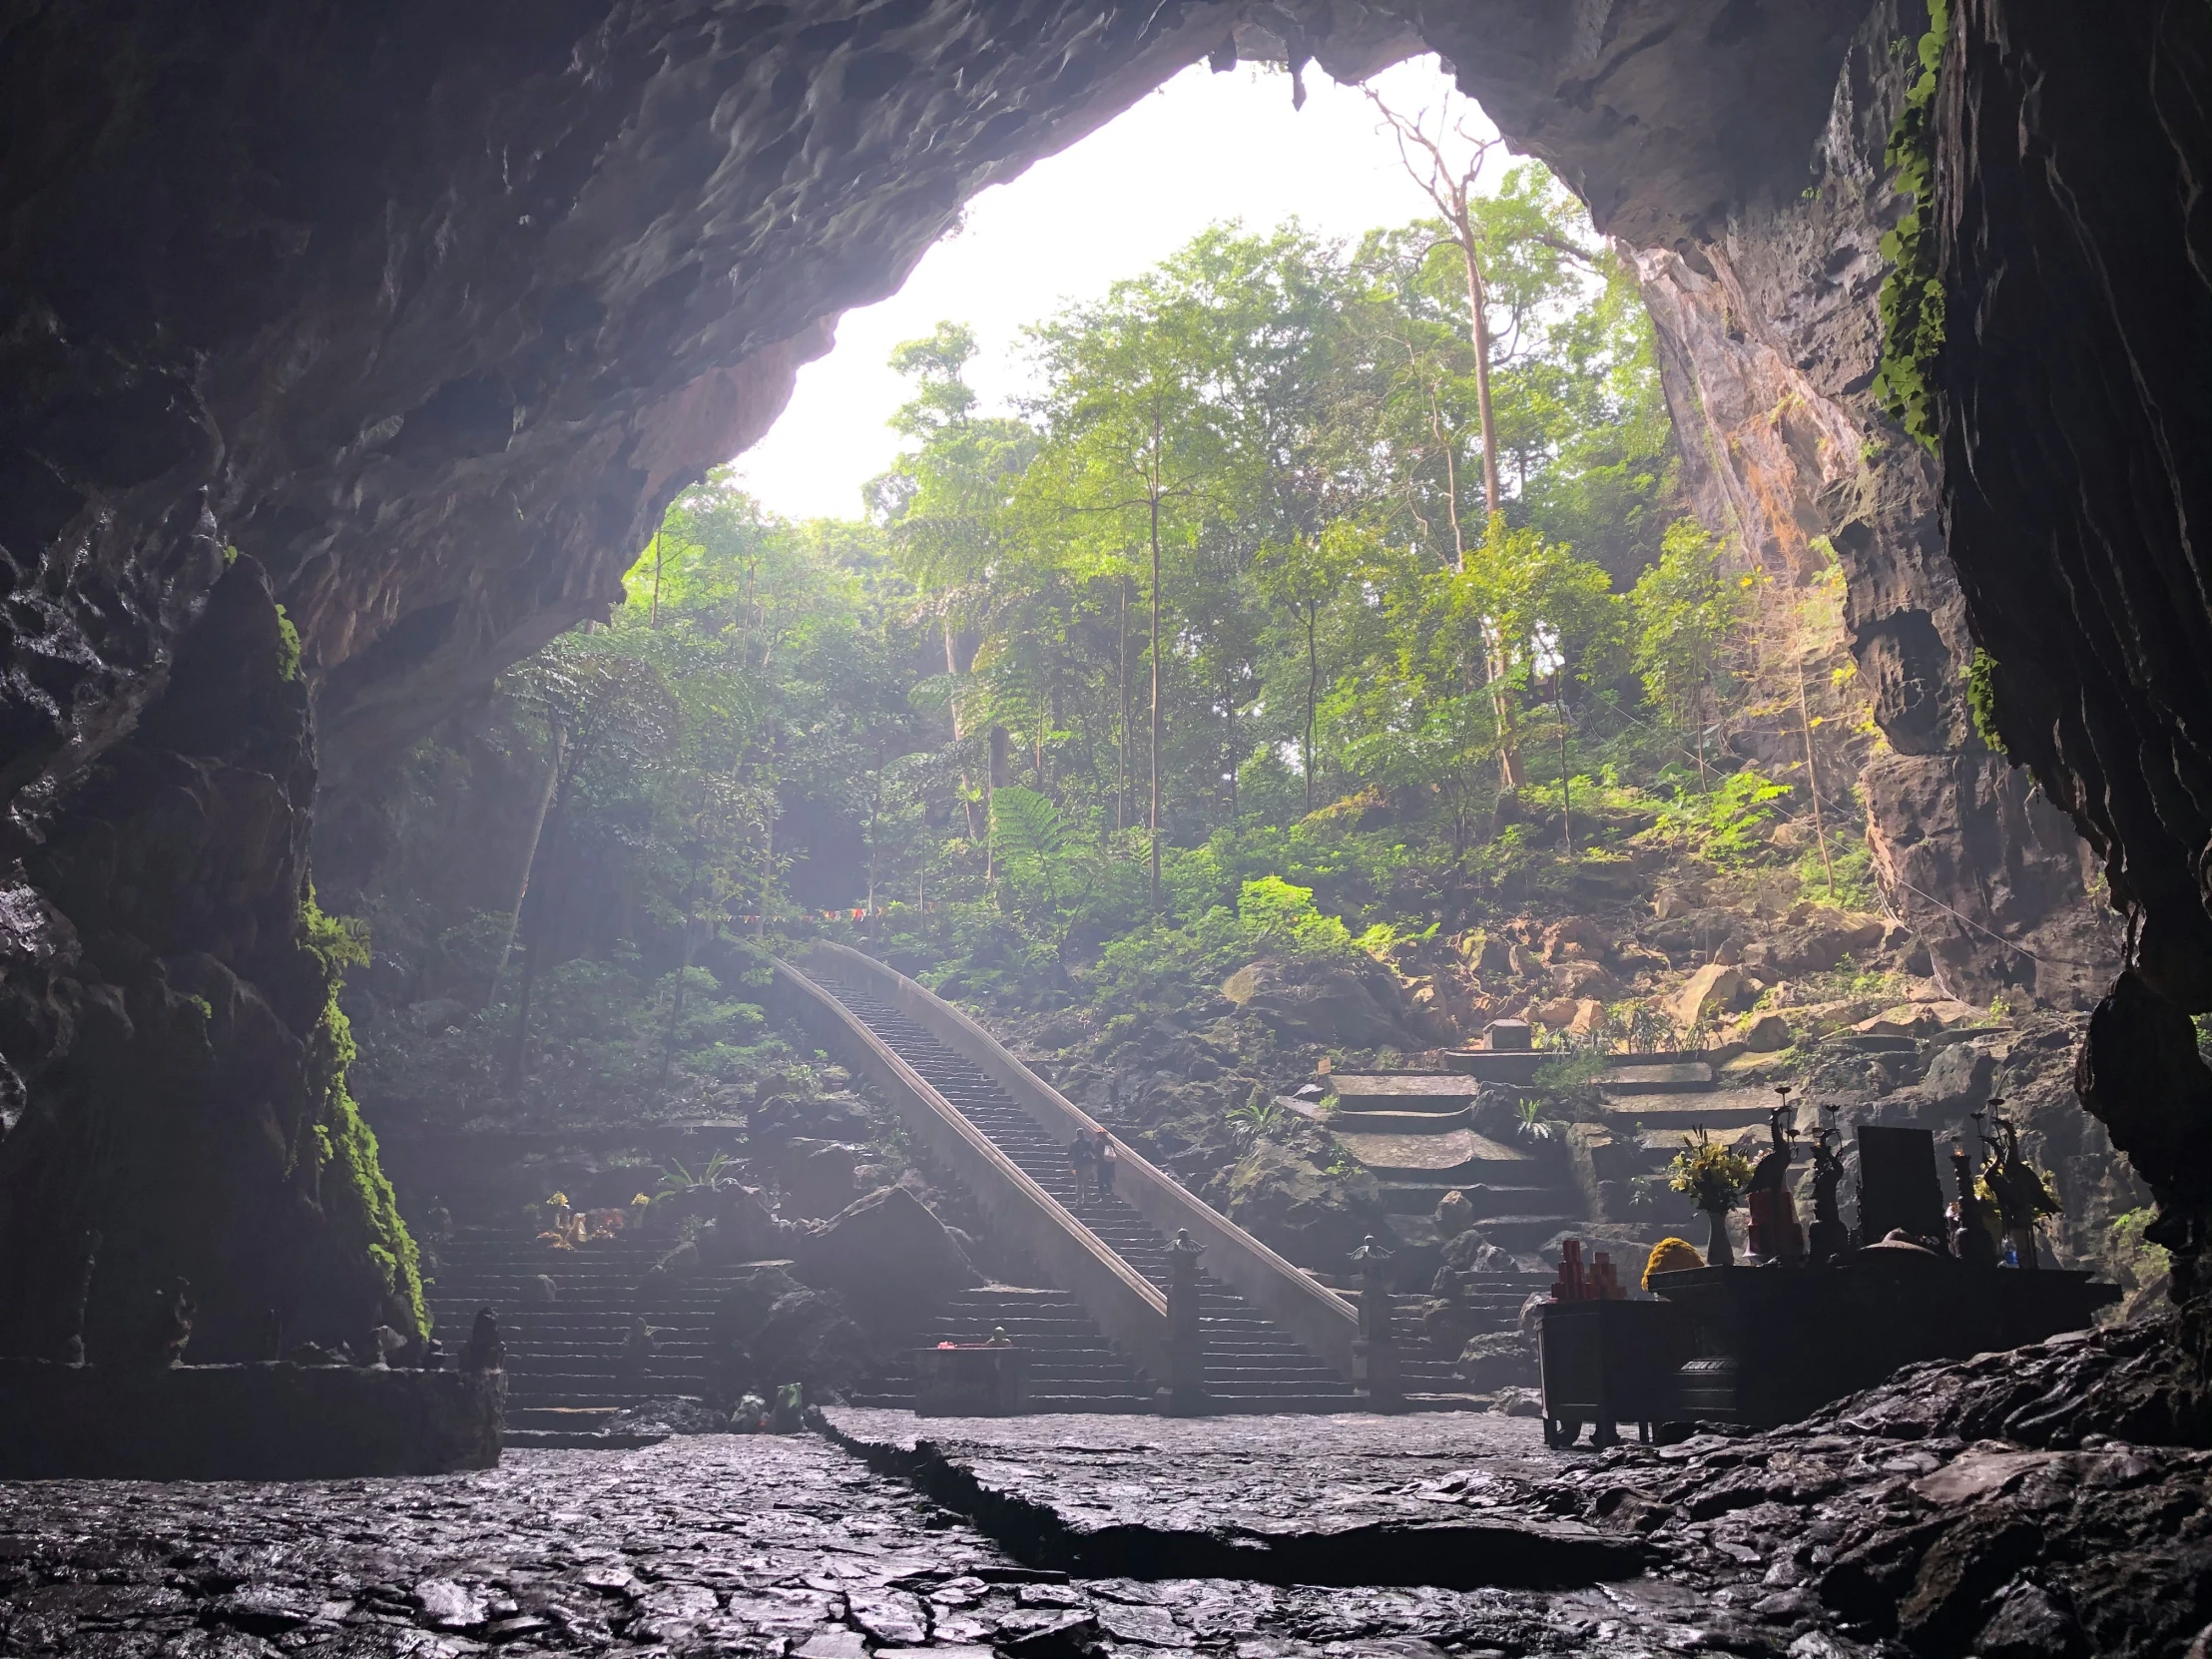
x=1346, y=1499
x=244, y=1423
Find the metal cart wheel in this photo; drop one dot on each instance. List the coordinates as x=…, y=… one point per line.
x=1604, y=1435
x=1561, y=1432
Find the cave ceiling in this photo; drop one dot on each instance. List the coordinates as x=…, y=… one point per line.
x=431, y=309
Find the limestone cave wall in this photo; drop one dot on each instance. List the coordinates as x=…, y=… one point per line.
x=2075, y=256
x=1770, y=337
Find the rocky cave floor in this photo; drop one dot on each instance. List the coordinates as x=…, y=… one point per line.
x=1960, y=1509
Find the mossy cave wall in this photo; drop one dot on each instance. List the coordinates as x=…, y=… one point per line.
x=428, y=311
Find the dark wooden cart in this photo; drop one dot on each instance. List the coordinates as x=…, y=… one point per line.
x=1773, y=1345
x=1609, y=1363
x=976, y=1380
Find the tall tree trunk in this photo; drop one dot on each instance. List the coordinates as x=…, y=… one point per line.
x=676, y=1004
x=529, y=859
x=1313, y=695
x=1813, y=780
x=1492, y=502
x=1122, y=732
x=1511, y=774
x=1566, y=803
x=518, y=1061
x=1155, y=816
x=1229, y=767
x=555, y=819
x=977, y=828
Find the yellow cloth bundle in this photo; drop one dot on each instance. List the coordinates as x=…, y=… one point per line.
x=1671, y=1256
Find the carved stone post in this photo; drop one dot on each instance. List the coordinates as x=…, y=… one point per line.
x=1186, y=1390
x=1375, y=1370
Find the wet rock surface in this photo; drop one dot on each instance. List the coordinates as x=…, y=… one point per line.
x=701, y=1546
x=1980, y=1508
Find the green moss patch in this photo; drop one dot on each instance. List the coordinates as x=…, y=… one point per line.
x=1911, y=298
x=356, y=1195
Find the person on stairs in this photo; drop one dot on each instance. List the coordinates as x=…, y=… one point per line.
x=1083, y=1161
x=1109, y=1164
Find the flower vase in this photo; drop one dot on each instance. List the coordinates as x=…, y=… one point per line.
x=1719, y=1253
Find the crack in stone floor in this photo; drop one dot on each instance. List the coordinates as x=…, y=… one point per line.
x=710, y=1545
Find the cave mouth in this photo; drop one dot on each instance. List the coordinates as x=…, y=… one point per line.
x=352, y=363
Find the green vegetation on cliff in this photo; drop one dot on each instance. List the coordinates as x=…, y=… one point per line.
x=337, y=1144
x=1911, y=298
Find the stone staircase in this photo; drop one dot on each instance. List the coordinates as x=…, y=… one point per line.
x=1072, y=1368
x=1414, y=1132
x=1251, y=1364
x=566, y=1371
x=1494, y=1303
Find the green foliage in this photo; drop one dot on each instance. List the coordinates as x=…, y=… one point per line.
x=350, y=1181
x=2140, y=1260
x=1911, y=298
x=1686, y=609
x=287, y=647
x=677, y=1178
x=1571, y=1071
x=1280, y=916
x=1257, y=1119
x=1981, y=699
x=1532, y=1122
x=1727, y=825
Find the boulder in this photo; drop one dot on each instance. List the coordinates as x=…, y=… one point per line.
x=1905, y=1020
x=809, y=1338
x=1518, y=1402
x=1558, y=1013
x=743, y=1228
x=1497, y=1360
x=1589, y=1016
x=889, y=1255
x=1470, y=1252
x=1296, y=1207
x=1714, y=989
x=1320, y=1004
x=1766, y=1033
x=1959, y=1079
x=1453, y=1214
x=438, y=1013
x=816, y=1176
x=1446, y=1325
x=1632, y=959
x=671, y=1270
x=1584, y=978
x=1578, y=939
x=1433, y=1017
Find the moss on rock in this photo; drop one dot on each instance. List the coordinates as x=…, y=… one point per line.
x=1911, y=299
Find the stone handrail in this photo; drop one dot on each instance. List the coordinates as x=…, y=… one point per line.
x=1127, y=1306
x=1315, y=1316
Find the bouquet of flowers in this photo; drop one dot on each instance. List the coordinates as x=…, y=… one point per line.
x=1713, y=1173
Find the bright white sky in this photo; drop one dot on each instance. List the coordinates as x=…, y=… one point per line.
x=1203, y=148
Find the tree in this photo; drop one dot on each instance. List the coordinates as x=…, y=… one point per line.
x=600, y=709
x=1686, y=608
x=1448, y=163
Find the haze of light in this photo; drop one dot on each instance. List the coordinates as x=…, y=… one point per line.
x=1205, y=147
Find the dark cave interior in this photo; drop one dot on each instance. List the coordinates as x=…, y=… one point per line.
x=400, y=327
